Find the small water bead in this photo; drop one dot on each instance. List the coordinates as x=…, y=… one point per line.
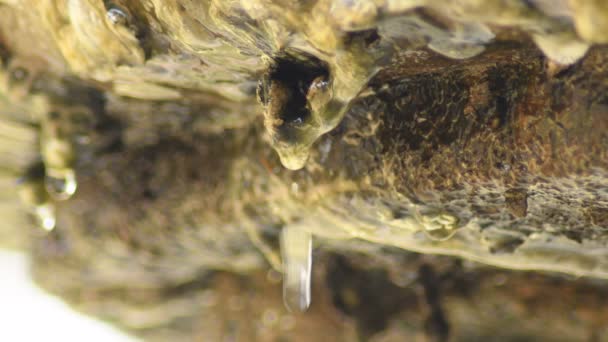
x=293, y=159
x=61, y=185
x=58, y=156
x=296, y=250
x=46, y=216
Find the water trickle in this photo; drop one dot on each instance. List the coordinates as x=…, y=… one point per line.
x=296, y=250
x=63, y=185
x=440, y=227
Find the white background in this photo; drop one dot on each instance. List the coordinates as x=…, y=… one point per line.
x=28, y=314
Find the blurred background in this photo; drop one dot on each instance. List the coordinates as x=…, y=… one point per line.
x=28, y=314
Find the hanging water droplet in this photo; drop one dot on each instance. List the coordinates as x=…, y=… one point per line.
x=46, y=216
x=61, y=185
x=296, y=250
x=293, y=159
x=440, y=227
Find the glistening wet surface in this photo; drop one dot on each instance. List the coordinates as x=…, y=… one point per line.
x=422, y=126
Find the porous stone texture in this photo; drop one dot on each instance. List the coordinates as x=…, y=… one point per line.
x=431, y=148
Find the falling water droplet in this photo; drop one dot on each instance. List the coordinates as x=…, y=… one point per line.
x=46, y=216
x=440, y=227
x=61, y=185
x=296, y=249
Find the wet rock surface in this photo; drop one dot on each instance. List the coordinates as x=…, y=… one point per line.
x=181, y=154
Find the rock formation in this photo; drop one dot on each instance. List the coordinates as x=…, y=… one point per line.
x=179, y=155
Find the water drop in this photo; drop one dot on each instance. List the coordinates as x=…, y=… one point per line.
x=293, y=158
x=61, y=185
x=46, y=216
x=296, y=250
x=440, y=227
